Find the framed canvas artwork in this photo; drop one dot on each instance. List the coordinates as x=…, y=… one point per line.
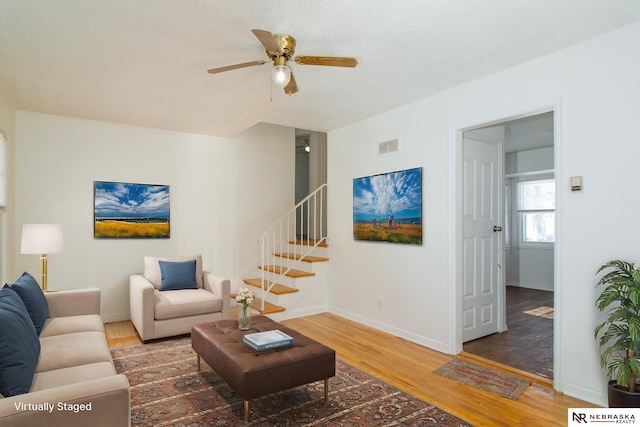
x=130, y=211
x=388, y=207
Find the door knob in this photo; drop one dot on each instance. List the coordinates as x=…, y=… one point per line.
x=497, y=228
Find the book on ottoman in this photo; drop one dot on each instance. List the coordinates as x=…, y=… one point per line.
x=267, y=340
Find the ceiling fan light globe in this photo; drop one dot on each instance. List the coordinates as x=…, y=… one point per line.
x=281, y=75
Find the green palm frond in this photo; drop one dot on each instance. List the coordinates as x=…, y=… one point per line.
x=619, y=334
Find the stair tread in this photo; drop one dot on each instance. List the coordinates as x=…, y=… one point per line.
x=322, y=244
x=268, y=307
x=278, y=269
x=277, y=288
x=307, y=258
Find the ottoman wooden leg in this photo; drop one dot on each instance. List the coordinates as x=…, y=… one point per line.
x=246, y=411
x=326, y=389
x=198, y=362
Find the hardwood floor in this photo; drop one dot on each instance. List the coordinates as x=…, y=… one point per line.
x=121, y=333
x=410, y=367
x=530, y=323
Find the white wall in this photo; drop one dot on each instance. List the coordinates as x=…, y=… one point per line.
x=409, y=280
x=220, y=199
x=594, y=90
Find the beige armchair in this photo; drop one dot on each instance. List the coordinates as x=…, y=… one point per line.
x=165, y=302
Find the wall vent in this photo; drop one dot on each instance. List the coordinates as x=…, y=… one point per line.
x=388, y=146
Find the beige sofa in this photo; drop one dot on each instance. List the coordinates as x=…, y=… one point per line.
x=158, y=313
x=75, y=382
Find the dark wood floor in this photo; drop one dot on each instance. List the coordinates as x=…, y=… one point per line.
x=527, y=345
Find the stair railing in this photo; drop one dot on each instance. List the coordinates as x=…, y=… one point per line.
x=304, y=224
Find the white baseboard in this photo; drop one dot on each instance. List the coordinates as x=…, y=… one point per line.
x=579, y=392
x=410, y=336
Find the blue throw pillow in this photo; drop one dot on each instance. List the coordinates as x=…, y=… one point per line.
x=33, y=297
x=178, y=275
x=19, y=345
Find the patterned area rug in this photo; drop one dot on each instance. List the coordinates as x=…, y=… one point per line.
x=484, y=378
x=167, y=389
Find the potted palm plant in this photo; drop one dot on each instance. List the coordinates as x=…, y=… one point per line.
x=619, y=334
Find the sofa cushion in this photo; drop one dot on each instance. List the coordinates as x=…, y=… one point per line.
x=152, y=268
x=78, y=348
x=172, y=304
x=178, y=275
x=19, y=345
x=72, y=375
x=71, y=324
x=27, y=287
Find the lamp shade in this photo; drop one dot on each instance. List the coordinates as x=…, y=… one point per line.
x=41, y=239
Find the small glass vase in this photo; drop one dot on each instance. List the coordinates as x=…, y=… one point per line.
x=244, y=317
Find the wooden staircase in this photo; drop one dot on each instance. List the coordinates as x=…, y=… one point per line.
x=274, y=287
x=288, y=270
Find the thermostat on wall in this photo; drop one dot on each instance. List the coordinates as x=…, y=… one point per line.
x=576, y=183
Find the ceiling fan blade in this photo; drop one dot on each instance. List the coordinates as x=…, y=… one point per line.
x=235, y=67
x=331, y=61
x=267, y=40
x=292, y=87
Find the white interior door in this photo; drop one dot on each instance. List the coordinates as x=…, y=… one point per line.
x=483, y=294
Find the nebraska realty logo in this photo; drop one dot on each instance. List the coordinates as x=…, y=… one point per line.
x=603, y=416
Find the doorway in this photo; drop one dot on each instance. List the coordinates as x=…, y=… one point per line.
x=310, y=173
x=525, y=262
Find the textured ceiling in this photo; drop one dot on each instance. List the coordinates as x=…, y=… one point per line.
x=144, y=62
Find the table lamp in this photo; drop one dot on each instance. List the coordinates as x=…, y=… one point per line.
x=42, y=239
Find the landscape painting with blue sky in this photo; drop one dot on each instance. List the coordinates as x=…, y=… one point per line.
x=388, y=207
x=125, y=200
x=131, y=210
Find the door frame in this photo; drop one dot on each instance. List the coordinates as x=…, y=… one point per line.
x=455, y=226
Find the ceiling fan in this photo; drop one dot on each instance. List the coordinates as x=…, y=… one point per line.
x=280, y=49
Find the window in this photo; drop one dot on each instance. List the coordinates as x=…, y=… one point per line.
x=3, y=205
x=3, y=172
x=536, y=211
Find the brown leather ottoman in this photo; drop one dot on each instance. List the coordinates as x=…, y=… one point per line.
x=253, y=375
